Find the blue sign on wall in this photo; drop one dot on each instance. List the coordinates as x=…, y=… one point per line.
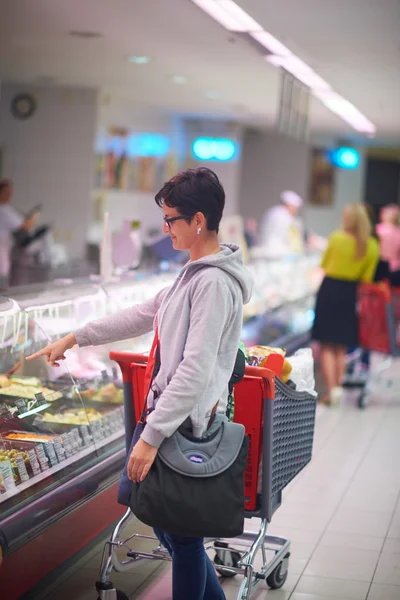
x=345, y=158
x=220, y=149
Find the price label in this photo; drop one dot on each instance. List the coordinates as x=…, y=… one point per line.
x=21, y=468
x=77, y=438
x=34, y=462
x=21, y=405
x=40, y=398
x=51, y=453
x=5, y=413
x=66, y=444
x=42, y=458
x=85, y=435
x=59, y=450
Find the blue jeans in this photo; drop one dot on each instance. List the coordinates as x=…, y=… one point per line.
x=193, y=574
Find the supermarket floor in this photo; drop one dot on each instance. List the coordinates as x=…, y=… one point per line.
x=342, y=515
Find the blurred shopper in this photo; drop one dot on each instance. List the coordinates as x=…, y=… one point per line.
x=199, y=321
x=388, y=231
x=351, y=257
x=11, y=222
x=282, y=230
x=382, y=270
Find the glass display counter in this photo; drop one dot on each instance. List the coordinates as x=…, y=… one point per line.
x=53, y=427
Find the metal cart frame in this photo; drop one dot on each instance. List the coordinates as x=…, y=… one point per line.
x=378, y=308
x=280, y=425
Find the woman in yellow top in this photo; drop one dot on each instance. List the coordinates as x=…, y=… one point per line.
x=351, y=257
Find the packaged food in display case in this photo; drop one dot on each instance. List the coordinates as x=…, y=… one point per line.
x=52, y=426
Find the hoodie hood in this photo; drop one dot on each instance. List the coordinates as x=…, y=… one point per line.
x=230, y=259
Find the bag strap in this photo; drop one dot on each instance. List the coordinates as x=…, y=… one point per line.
x=237, y=376
x=238, y=370
x=152, y=368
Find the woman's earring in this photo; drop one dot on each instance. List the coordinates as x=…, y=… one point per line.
x=199, y=231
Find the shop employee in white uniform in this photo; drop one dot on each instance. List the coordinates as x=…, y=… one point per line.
x=282, y=228
x=10, y=221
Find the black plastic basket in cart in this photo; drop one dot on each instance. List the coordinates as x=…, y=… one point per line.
x=280, y=425
x=292, y=434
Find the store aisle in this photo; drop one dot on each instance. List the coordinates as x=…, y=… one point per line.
x=342, y=515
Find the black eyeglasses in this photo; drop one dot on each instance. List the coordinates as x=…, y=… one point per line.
x=171, y=220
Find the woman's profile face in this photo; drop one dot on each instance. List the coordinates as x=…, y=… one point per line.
x=183, y=234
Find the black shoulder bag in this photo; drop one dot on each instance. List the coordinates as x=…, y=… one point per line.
x=195, y=487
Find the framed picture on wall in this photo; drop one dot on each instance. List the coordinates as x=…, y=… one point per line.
x=322, y=179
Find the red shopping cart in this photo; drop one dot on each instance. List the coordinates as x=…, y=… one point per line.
x=378, y=308
x=280, y=424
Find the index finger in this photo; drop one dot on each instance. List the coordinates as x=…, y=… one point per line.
x=37, y=354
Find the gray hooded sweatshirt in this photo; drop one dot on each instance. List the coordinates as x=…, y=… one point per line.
x=199, y=320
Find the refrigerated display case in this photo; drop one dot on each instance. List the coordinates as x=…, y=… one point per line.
x=62, y=443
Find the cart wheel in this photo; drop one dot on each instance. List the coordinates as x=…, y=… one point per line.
x=277, y=579
x=226, y=572
x=363, y=400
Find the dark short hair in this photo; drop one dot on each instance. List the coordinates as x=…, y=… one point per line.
x=193, y=191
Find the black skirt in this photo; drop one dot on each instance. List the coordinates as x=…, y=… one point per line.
x=336, y=319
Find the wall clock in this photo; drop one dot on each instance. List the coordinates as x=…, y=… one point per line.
x=23, y=106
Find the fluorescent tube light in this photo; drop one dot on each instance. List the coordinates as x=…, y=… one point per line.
x=301, y=71
x=270, y=43
x=231, y=16
x=228, y=14
x=246, y=21
x=216, y=11
x=347, y=111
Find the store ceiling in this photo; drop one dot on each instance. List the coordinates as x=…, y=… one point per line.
x=354, y=45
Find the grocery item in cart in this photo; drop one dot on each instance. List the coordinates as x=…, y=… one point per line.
x=302, y=374
x=270, y=358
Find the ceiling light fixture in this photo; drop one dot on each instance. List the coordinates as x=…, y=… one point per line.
x=139, y=60
x=270, y=43
x=212, y=95
x=347, y=111
x=242, y=17
x=179, y=79
x=301, y=71
x=231, y=16
x=86, y=35
x=228, y=14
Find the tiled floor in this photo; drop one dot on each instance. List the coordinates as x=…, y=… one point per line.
x=342, y=515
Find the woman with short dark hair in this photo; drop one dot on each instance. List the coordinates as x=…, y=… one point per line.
x=199, y=321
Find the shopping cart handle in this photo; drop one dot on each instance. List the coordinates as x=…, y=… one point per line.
x=268, y=380
x=125, y=360
x=128, y=357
